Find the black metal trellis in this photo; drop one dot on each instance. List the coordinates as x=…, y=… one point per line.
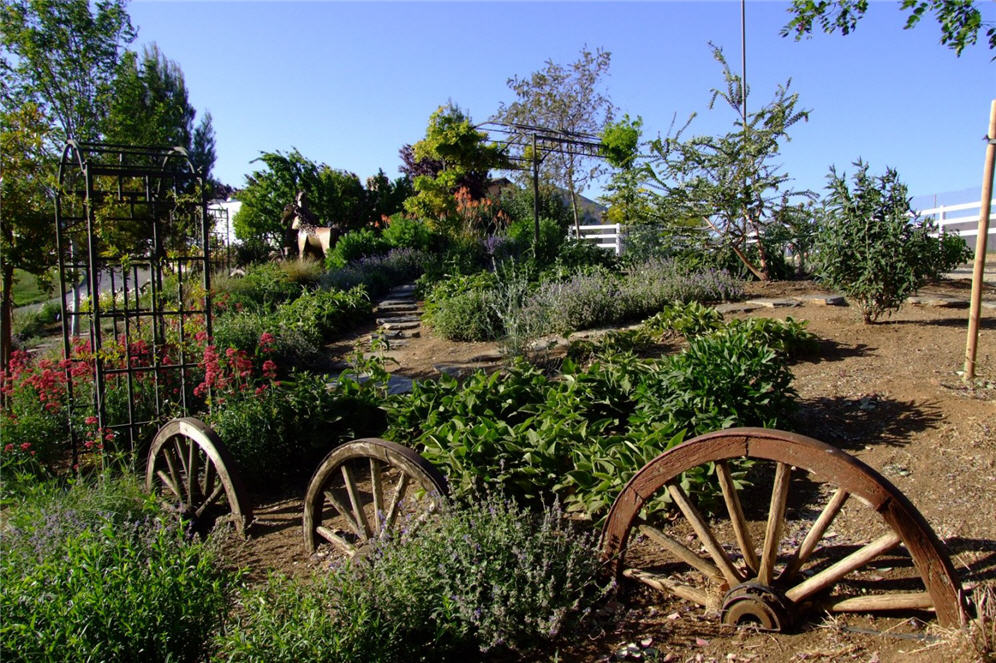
x=543, y=141
x=132, y=233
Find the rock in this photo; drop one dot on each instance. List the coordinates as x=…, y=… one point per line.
x=737, y=307
x=775, y=303
x=396, y=321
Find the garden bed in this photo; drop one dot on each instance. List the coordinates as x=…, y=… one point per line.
x=887, y=393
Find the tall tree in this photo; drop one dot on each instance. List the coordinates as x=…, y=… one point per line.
x=26, y=240
x=335, y=197
x=64, y=54
x=564, y=98
x=732, y=181
x=960, y=20
x=466, y=159
x=628, y=199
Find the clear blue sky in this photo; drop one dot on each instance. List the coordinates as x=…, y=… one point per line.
x=349, y=83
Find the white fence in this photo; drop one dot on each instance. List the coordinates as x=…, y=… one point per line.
x=963, y=220
x=607, y=236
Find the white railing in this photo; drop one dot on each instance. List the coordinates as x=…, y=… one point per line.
x=961, y=219
x=606, y=236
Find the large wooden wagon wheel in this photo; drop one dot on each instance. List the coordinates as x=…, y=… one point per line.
x=771, y=555
x=191, y=469
x=366, y=490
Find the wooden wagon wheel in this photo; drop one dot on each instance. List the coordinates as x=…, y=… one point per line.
x=189, y=466
x=369, y=489
x=804, y=563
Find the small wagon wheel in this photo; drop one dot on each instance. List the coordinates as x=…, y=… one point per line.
x=191, y=469
x=366, y=490
x=804, y=562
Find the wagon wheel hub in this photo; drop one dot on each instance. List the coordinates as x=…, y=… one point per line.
x=755, y=604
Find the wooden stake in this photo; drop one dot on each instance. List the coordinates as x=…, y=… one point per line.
x=980, y=246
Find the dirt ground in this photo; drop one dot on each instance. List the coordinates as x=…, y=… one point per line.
x=889, y=393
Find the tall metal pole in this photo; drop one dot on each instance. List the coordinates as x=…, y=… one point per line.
x=536, y=228
x=980, y=246
x=743, y=62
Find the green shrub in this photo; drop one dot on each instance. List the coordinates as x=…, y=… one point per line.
x=584, y=435
x=263, y=287
x=868, y=247
x=284, y=429
x=574, y=255
x=722, y=380
x=321, y=315
x=354, y=245
x=552, y=236
x=95, y=574
x=689, y=320
x=787, y=337
x=378, y=274
x=463, y=308
x=405, y=233
x=486, y=577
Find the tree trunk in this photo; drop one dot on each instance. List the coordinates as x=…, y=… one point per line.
x=574, y=210
x=6, y=315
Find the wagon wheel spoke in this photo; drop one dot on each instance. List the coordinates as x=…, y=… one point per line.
x=837, y=571
x=796, y=489
x=705, y=535
x=342, y=544
x=377, y=487
x=344, y=512
x=369, y=484
x=816, y=532
x=354, y=500
x=673, y=546
x=776, y=519
x=733, y=507
x=396, y=499
x=212, y=497
x=191, y=468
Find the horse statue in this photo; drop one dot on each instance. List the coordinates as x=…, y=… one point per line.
x=304, y=234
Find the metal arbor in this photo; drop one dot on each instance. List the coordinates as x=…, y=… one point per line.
x=132, y=234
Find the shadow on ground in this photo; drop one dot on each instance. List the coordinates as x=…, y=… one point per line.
x=853, y=423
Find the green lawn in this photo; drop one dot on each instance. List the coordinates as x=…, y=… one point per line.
x=27, y=290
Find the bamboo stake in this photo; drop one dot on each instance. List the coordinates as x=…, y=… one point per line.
x=980, y=247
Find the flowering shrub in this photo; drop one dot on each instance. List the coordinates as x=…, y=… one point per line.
x=487, y=577
x=378, y=274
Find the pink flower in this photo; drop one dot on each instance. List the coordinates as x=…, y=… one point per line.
x=25, y=446
x=90, y=421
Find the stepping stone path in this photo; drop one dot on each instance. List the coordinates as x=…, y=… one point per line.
x=398, y=316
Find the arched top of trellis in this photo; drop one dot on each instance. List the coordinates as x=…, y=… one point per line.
x=95, y=159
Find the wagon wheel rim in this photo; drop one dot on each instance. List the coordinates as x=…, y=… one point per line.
x=755, y=572
x=193, y=472
x=366, y=491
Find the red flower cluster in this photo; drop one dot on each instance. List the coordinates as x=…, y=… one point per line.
x=234, y=371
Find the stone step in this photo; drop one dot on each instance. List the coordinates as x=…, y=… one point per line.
x=774, y=303
x=390, y=325
x=396, y=301
x=398, y=320
x=397, y=313
x=385, y=308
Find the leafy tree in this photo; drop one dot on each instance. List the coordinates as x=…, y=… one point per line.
x=26, y=240
x=564, y=98
x=628, y=200
x=386, y=197
x=150, y=106
x=960, y=20
x=731, y=181
x=64, y=55
x=870, y=248
x=336, y=197
x=466, y=160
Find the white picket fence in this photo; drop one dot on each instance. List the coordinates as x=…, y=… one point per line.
x=608, y=236
x=962, y=219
